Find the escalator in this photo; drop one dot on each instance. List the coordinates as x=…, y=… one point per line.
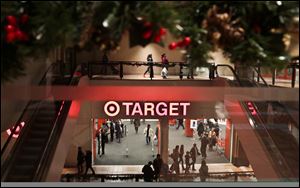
x=273, y=123
x=30, y=156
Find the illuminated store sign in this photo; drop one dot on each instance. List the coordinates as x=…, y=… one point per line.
x=113, y=108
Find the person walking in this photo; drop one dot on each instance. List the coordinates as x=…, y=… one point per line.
x=187, y=162
x=204, y=142
x=203, y=171
x=112, y=131
x=157, y=164
x=118, y=132
x=181, y=153
x=80, y=160
x=98, y=140
x=148, y=132
x=165, y=66
x=212, y=70
x=200, y=129
x=180, y=124
x=103, y=140
x=190, y=67
x=194, y=152
x=137, y=124
x=148, y=172
x=88, y=162
x=150, y=65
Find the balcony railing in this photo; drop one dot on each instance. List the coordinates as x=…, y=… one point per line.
x=191, y=177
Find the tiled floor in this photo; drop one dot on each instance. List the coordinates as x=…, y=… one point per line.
x=139, y=153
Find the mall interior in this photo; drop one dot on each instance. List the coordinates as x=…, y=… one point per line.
x=94, y=91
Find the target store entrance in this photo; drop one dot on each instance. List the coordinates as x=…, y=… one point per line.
x=134, y=132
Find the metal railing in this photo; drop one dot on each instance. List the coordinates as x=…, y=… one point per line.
x=191, y=177
x=90, y=67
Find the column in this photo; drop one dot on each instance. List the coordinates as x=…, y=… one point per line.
x=164, y=139
x=188, y=132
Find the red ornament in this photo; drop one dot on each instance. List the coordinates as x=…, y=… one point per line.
x=162, y=31
x=11, y=20
x=172, y=46
x=186, y=41
x=11, y=37
x=10, y=28
x=147, y=34
x=24, y=18
x=157, y=38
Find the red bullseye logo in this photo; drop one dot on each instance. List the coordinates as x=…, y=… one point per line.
x=112, y=108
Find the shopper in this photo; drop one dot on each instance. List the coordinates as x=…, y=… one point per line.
x=103, y=140
x=203, y=171
x=148, y=172
x=212, y=70
x=148, y=132
x=150, y=64
x=118, y=132
x=98, y=140
x=157, y=163
x=181, y=153
x=194, y=152
x=175, y=164
x=88, y=162
x=165, y=65
x=180, y=123
x=137, y=124
x=80, y=160
x=112, y=131
x=204, y=142
x=200, y=129
x=187, y=162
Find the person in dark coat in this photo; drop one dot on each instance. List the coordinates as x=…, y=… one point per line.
x=88, y=162
x=157, y=163
x=180, y=123
x=137, y=124
x=80, y=160
x=194, y=152
x=187, y=162
x=98, y=140
x=203, y=171
x=204, y=142
x=118, y=132
x=200, y=129
x=212, y=70
x=181, y=153
x=150, y=63
x=103, y=140
x=112, y=131
x=148, y=172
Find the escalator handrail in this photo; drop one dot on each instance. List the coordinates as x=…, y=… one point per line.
x=7, y=163
x=45, y=159
x=232, y=70
x=270, y=141
x=261, y=121
x=3, y=150
x=260, y=76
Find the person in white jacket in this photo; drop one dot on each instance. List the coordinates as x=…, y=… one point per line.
x=148, y=132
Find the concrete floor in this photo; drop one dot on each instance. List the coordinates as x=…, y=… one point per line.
x=139, y=153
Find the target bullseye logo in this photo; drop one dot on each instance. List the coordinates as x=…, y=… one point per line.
x=112, y=108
